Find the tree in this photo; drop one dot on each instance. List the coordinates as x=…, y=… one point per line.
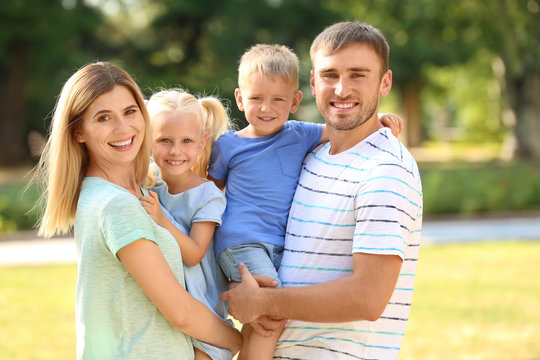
x=40, y=39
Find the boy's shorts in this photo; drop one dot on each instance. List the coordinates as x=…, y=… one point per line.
x=260, y=258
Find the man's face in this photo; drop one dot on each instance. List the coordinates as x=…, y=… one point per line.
x=347, y=86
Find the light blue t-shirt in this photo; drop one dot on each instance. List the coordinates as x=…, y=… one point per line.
x=115, y=319
x=204, y=281
x=261, y=177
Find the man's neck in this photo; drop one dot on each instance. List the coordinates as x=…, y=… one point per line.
x=341, y=140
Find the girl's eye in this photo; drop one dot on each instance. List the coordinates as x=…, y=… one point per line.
x=166, y=141
x=186, y=141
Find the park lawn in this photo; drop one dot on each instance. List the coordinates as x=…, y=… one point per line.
x=472, y=301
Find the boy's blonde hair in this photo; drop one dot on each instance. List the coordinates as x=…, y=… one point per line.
x=209, y=111
x=64, y=161
x=270, y=61
x=343, y=34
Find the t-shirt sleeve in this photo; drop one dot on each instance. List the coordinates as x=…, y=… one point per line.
x=212, y=205
x=385, y=209
x=310, y=133
x=124, y=221
x=219, y=162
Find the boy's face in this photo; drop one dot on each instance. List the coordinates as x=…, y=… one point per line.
x=177, y=141
x=267, y=103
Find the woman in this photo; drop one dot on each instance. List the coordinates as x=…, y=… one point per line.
x=130, y=300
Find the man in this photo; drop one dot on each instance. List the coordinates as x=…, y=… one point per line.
x=353, y=231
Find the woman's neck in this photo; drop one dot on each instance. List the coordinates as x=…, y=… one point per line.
x=124, y=177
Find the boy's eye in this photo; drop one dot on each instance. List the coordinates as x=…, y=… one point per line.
x=165, y=140
x=278, y=99
x=186, y=141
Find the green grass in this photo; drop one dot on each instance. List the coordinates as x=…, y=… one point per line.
x=472, y=301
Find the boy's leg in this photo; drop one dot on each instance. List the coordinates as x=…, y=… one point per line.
x=199, y=355
x=256, y=346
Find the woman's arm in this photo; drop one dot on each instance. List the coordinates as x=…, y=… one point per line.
x=145, y=262
x=194, y=246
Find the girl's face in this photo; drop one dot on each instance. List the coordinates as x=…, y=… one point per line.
x=112, y=129
x=177, y=142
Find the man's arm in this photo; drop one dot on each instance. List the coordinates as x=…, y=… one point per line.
x=362, y=296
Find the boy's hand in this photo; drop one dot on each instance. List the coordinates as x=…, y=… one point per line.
x=392, y=121
x=151, y=205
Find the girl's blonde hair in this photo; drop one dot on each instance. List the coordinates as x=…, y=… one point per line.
x=64, y=161
x=210, y=112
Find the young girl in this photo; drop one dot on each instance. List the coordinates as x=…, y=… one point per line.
x=183, y=127
x=131, y=300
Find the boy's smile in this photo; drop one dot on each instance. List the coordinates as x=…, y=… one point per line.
x=267, y=103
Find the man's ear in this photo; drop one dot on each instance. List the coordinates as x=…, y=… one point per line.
x=386, y=83
x=312, y=83
x=239, y=99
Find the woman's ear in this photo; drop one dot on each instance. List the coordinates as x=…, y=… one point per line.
x=79, y=136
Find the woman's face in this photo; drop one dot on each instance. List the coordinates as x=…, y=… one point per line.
x=113, y=129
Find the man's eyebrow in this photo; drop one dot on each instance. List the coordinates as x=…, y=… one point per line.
x=353, y=69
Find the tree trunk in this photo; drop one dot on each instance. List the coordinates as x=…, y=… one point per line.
x=522, y=93
x=410, y=98
x=13, y=149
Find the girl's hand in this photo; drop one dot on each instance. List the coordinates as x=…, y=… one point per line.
x=392, y=121
x=152, y=207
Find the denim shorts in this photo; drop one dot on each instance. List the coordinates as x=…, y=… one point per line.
x=260, y=258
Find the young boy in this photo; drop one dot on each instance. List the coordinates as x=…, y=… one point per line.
x=259, y=167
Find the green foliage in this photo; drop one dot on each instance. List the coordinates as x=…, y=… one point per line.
x=480, y=188
x=15, y=207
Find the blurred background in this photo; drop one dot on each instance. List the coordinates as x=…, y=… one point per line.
x=466, y=81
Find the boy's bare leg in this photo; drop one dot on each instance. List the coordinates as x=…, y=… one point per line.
x=199, y=355
x=257, y=346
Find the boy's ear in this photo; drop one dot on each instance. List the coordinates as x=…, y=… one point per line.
x=297, y=97
x=239, y=100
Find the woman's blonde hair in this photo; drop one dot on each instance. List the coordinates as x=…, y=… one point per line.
x=209, y=111
x=64, y=161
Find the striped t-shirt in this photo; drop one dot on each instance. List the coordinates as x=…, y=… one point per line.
x=367, y=199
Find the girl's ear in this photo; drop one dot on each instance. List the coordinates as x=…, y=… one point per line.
x=239, y=100
x=203, y=142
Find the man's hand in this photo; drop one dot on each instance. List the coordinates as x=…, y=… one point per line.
x=245, y=300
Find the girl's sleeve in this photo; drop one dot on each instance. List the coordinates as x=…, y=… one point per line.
x=212, y=205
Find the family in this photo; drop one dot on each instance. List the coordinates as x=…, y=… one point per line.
x=307, y=234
